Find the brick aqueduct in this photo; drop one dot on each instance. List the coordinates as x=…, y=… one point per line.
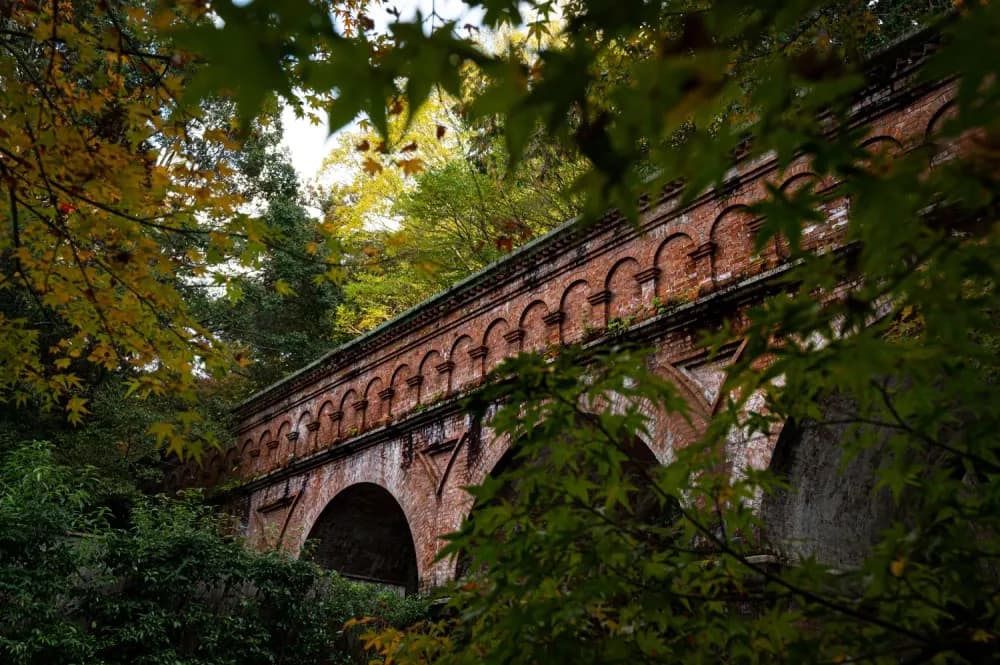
x=367, y=449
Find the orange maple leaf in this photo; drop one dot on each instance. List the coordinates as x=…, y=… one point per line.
x=411, y=166
x=371, y=167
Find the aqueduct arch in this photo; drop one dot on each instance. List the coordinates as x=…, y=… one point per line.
x=363, y=534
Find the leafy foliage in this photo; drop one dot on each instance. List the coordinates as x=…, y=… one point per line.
x=165, y=586
x=582, y=551
x=101, y=181
x=659, y=93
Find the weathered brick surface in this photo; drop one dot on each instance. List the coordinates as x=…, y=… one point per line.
x=380, y=410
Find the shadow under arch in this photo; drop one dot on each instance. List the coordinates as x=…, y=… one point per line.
x=363, y=534
x=643, y=503
x=833, y=508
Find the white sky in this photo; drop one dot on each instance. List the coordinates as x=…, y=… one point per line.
x=309, y=143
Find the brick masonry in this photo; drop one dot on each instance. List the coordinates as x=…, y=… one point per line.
x=381, y=411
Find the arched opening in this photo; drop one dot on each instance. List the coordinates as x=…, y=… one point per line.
x=832, y=509
x=363, y=535
x=643, y=505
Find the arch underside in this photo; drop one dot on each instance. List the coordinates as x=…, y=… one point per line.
x=363, y=534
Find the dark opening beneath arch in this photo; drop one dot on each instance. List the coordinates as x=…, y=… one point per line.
x=831, y=509
x=644, y=504
x=363, y=535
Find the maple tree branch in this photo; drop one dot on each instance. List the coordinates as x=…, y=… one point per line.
x=883, y=390
x=725, y=548
x=16, y=234
x=54, y=108
x=152, y=307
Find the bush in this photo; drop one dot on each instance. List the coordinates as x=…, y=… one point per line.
x=171, y=587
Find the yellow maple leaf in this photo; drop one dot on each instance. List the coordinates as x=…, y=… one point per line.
x=284, y=288
x=75, y=409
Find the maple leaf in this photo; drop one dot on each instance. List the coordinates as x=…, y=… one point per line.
x=411, y=166
x=371, y=167
x=76, y=408
x=284, y=288
x=409, y=147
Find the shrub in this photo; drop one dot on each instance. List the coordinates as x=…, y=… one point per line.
x=170, y=587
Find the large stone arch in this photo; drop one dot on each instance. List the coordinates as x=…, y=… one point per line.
x=502, y=457
x=832, y=509
x=364, y=534
x=666, y=431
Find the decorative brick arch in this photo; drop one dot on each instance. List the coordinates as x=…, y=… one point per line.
x=463, y=364
x=677, y=279
x=326, y=428
x=814, y=232
x=881, y=144
x=231, y=464
x=733, y=237
x=303, y=442
x=211, y=472
x=265, y=447
x=247, y=459
x=404, y=391
x=495, y=346
x=351, y=414
x=799, y=180
x=376, y=403
x=578, y=320
x=624, y=292
x=536, y=330
x=434, y=377
x=940, y=151
x=283, y=451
